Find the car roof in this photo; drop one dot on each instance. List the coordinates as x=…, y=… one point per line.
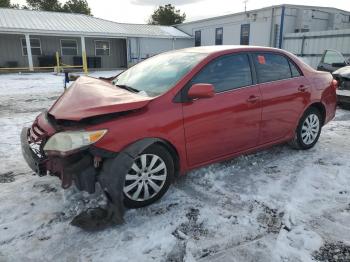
x=224, y=48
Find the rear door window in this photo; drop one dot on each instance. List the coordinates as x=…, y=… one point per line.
x=226, y=72
x=271, y=67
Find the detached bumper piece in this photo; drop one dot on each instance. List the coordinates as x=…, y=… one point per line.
x=34, y=160
x=95, y=219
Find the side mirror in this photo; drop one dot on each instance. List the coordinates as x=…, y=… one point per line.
x=201, y=91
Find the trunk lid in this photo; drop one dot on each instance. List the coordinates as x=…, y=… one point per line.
x=88, y=97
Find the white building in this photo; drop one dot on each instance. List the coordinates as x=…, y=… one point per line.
x=266, y=26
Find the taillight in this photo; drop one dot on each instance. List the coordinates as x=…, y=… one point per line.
x=335, y=84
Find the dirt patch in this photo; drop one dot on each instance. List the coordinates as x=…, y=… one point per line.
x=7, y=177
x=44, y=238
x=272, y=170
x=191, y=229
x=270, y=219
x=177, y=254
x=333, y=252
x=45, y=188
x=321, y=162
x=164, y=209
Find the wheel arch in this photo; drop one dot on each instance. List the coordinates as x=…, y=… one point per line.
x=173, y=152
x=138, y=146
x=321, y=108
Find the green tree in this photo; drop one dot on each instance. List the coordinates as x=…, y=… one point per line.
x=71, y=6
x=5, y=3
x=167, y=15
x=77, y=6
x=45, y=5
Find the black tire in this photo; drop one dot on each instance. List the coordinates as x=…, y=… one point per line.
x=298, y=142
x=165, y=156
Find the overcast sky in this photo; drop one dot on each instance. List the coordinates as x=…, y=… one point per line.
x=138, y=11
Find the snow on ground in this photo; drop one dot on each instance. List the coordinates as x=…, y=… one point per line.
x=275, y=205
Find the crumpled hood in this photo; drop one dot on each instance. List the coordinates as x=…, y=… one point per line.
x=88, y=97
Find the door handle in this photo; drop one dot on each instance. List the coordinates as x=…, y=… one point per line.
x=302, y=88
x=252, y=99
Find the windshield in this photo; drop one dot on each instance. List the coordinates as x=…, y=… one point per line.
x=158, y=74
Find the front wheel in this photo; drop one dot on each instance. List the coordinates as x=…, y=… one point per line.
x=308, y=130
x=149, y=177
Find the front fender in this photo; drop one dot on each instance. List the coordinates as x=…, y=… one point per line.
x=112, y=174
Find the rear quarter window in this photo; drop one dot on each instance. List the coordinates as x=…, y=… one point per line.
x=271, y=67
x=294, y=69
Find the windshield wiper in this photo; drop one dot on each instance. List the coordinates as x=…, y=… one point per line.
x=129, y=88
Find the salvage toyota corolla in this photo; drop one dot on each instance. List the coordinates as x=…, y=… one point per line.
x=136, y=132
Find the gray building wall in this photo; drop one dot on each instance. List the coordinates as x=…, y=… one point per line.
x=117, y=56
x=11, y=50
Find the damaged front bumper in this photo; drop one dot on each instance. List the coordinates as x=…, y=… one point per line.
x=85, y=168
x=78, y=167
x=82, y=168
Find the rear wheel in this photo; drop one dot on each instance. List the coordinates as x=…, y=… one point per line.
x=149, y=177
x=308, y=130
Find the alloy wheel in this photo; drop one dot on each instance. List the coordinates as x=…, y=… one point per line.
x=310, y=129
x=145, y=178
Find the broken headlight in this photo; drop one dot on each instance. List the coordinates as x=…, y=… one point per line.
x=65, y=142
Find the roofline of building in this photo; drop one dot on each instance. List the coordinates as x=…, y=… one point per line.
x=85, y=34
x=90, y=16
x=47, y=32
x=260, y=9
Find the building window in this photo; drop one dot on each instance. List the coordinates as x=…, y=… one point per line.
x=102, y=47
x=197, y=38
x=35, y=46
x=245, y=32
x=69, y=47
x=219, y=35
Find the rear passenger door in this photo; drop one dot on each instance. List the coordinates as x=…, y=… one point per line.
x=228, y=122
x=285, y=93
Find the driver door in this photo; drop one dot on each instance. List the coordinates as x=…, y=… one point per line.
x=229, y=122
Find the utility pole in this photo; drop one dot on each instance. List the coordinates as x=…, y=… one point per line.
x=245, y=5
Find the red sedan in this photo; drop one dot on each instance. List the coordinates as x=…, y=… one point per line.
x=174, y=112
